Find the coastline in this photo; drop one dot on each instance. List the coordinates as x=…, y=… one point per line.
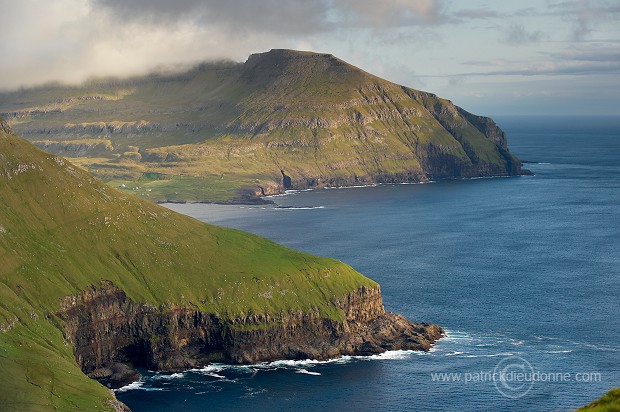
x=131, y=335
x=298, y=366
x=293, y=191
x=265, y=200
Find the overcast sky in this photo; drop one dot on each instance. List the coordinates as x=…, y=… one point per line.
x=490, y=57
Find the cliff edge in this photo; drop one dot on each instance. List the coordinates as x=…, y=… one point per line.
x=111, y=334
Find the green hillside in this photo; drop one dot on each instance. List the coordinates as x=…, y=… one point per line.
x=610, y=402
x=61, y=230
x=233, y=131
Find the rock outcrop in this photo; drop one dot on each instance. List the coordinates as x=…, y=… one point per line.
x=4, y=126
x=111, y=334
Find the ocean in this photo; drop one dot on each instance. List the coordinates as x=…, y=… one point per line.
x=522, y=272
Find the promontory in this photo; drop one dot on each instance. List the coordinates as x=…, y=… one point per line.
x=231, y=132
x=95, y=282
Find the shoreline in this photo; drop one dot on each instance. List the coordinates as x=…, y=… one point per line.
x=395, y=355
x=266, y=199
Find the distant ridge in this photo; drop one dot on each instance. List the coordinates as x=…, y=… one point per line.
x=234, y=131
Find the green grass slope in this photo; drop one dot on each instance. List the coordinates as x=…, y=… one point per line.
x=227, y=131
x=610, y=402
x=62, y=230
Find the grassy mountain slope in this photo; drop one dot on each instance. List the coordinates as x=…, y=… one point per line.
x=61, y=231
x=282, y=119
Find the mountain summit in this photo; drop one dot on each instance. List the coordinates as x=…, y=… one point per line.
x=233, y=131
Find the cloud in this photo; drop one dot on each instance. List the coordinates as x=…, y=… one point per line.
x=267, y=16
x=586, y=16
x=516, y=34
x=293, y=17
x=72, y=40
x=386, y=13
x=583, y=60
x=549, y=68
x=481, y=13
x=593, y=53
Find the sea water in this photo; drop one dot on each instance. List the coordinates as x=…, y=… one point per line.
x=522, y=272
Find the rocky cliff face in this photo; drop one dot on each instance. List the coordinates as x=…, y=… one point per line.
x=4, y=127
x=112, y=334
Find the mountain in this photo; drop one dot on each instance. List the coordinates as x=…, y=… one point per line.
x=234, y=131
x=95, y=282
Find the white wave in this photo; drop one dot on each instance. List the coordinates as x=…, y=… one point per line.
x=287, y=193
x=558, y=351
x=603, y=348
x=214, y=375
x=307, y=372
x=454, y=353
x=214, y=367
x=132, y=386
x=350, y=187
x=298, y=207
x=391, y=355
x=541, y=337
x=170, y=377
x=137, y=385
x=491, y=355
x=305, y=362
x=251, y=392
x=455, y=335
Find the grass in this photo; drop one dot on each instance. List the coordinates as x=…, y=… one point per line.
x=172, y=188
x=220, y=128
x=61, y=231
x=610, y=402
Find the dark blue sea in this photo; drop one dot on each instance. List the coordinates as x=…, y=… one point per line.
x=523, y=273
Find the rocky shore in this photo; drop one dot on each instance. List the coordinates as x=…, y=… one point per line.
x=112, y=335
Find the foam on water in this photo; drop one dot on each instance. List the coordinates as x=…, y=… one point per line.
x=170, y=377
x=307, y=372
x=137, y=385
x=298, y=207
x=454, y=353
x=350, y=187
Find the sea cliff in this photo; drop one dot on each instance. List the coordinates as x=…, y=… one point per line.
x=94, y=282
x=111, y=334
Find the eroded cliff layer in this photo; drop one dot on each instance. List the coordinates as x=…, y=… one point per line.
x=111, y=334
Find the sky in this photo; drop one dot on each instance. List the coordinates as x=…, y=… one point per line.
x=551, y=57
